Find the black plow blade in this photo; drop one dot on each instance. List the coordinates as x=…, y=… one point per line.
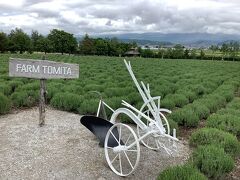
x=99, y=127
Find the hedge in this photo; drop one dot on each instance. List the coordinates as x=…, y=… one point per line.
x=185, y=117
x=226, y=122
x=5, y=89
x=212, y=161
x=25, y=98
x=184, y=172
x=167, y=103
x=15, y=84
x=5, y=104
x=201, y=110
x=88, y=106
x=207, y=136
x=66, y=101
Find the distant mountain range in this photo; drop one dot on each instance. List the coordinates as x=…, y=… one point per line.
x=145, y=42
x=187, y=39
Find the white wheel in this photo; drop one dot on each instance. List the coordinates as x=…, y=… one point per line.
x=122, y=149
x=151, y=141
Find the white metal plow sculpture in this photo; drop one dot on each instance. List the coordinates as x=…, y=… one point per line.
x=153, y=131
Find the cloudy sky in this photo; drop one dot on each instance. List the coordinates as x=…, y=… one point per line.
x=121, y=16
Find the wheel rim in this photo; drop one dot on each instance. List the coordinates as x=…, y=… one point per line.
x=152, y=141
x=120, y=158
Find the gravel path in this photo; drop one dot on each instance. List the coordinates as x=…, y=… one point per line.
x=64, y=149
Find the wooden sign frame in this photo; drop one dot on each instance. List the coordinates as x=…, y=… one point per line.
x=43, y=70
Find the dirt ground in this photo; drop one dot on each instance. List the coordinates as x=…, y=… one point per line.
x=65, y=149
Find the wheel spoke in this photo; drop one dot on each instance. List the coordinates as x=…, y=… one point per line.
x=114, y=159
x=120, y=133
x=131, y=150
x=127, y=139
x=156, y=143
x=114, y=137
x=147, y=141
x=128, y=159
x=120, y=162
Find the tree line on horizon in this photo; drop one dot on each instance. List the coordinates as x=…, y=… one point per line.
x=226, y=51
x=59, y=41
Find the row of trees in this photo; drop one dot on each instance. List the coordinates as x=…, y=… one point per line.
x=56, y=41
x=106, y=47
x=229, y=50
x=176, y=52
x=59, y=41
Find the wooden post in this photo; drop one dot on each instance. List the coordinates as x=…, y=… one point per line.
x=42, y=102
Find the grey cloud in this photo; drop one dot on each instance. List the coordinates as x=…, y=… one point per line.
x=45, y=14
x=109, y=23
x=129, y=16
x=10, y=9
x=31, y=2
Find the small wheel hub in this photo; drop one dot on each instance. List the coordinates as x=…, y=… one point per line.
x=119, y=148
x=153, y=127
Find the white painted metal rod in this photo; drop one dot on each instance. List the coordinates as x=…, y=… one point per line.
x=153, y=105
x=136, y=110
x=99, y=106
x=145, y=99
x=139, y=139
x=108, y=106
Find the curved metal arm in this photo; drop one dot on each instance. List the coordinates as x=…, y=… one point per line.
x=96, y=92
x=130, y=114
x=137, y=111
x=165, y=110
x=147, y=102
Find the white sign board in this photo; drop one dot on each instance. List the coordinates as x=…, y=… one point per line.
x=42, y=69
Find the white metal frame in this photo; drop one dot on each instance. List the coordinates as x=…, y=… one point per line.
x=156, y=129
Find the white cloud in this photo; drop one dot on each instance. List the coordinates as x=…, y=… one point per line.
x=71, y=17
x=52, y=6
x=12, y=3
x=18, y=20
x=197, y=4
x=100, y=16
